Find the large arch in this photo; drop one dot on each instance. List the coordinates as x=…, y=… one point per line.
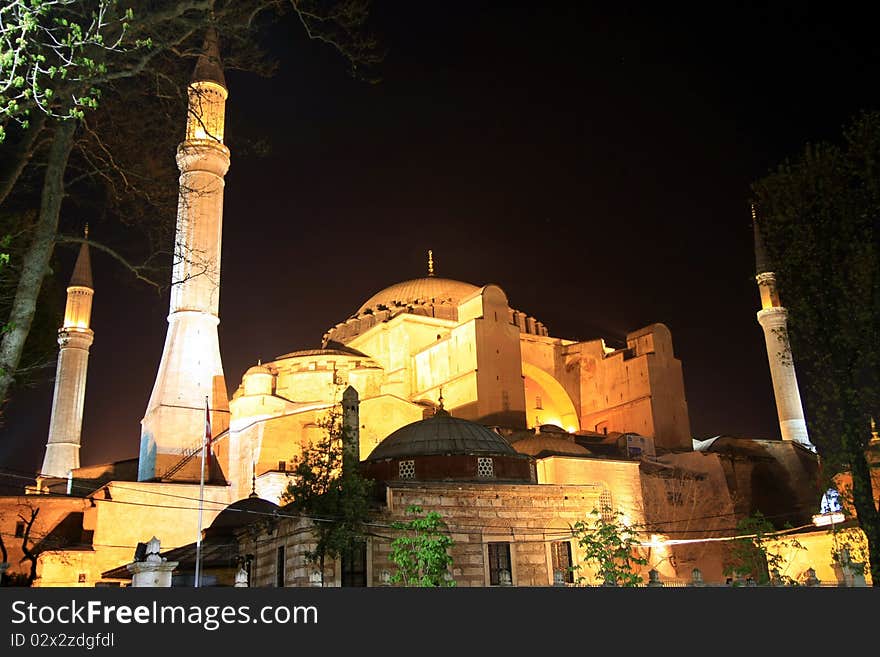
x=556, y=406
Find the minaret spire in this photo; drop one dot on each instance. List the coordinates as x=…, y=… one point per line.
x=191, y=367
x=430, y=262
x=75, y=337
x=773, y=318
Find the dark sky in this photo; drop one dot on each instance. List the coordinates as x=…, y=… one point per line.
x=595, y=163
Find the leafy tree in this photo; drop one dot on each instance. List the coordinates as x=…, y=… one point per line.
x=74, y=75
x=422, y=553
x=47, y=59
x=819, y=215
x=611, y=546
x=329, y=490
x=749, y=556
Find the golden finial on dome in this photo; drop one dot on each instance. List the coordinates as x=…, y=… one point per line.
x=253, y=479
x=430, y=262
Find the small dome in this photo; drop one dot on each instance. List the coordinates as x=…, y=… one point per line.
x=258, y=380
x=258, y=369
x=439, y=435
x=420, y=290
x=242, y=513
x=544, y=444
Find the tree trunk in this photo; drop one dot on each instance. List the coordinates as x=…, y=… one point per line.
x=14, y=162
x=35, y=264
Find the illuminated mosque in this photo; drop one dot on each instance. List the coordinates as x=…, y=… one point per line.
x=459, y=396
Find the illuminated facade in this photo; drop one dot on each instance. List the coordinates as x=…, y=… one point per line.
x=417, y=340
x=587, y=425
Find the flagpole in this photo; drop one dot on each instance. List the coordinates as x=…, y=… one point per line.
x=201, y=505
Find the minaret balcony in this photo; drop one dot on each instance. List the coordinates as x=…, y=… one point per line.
x=203, y=155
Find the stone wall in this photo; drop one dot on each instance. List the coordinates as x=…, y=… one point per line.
x=527, y=517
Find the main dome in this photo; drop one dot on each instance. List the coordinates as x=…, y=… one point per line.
x=419, y=291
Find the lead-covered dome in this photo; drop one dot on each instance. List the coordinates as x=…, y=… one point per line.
x=437, y=298
x=445, y=448
x=441, y=434
x=419, y=291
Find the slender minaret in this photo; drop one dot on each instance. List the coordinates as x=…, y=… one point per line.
x=773, y=318
x=74, y=339
x=191, y=367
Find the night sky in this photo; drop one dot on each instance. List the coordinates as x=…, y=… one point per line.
x=595, y=165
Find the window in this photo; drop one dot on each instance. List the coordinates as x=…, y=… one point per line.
x=485, y=467
x=406, y=469
x=279, y=568
x=19, y=529
x=354, y=565
x=282, y=465
x=500, y=573
x=538, y=403
x=606, y=506
x=81, y=578
x=560, y=553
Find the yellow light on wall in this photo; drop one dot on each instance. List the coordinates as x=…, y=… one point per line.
x=207, y=110
x=825, y=519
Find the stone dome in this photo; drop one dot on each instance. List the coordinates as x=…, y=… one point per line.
x=241, y=513
x=258, y=380
x=419, y=291
x=258, y=369
x=441, y=434
x=544, y=444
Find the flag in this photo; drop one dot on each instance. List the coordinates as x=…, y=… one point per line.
x=207, y=434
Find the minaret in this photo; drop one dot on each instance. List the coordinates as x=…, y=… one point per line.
x=191, y=367
x=74, y=339
x=773, y=318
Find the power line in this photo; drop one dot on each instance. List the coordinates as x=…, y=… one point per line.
x=466, y=528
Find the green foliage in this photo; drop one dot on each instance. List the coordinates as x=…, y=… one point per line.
x=850, y=548
x=611, y=547
x=750, y=557
x=51, y=54
x=421, y=554
x=328, y=488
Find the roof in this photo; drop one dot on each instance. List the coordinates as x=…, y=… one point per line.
x=420, y=290
x=258, y=369
x=543, y=444
x=209, y=67
x=82, y=270
x=333, y=349
x=441, y=434
x=762, y=260
x=242, y=513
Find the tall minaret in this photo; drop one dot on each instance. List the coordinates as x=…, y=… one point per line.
x=74, y=339
x=191, y=368
x=773, y=318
